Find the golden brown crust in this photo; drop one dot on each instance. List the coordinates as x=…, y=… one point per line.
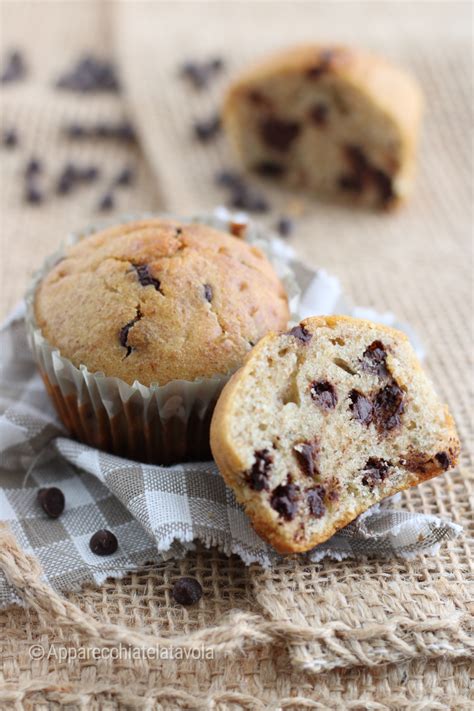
x=158, y=300
x=228, y=455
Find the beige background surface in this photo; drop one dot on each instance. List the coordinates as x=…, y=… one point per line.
x=416, y=262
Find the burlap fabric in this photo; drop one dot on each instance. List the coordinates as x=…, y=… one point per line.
x=370, y=635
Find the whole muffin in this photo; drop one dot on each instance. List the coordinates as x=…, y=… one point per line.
x=151, y=303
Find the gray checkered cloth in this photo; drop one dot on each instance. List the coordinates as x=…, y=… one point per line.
x=155, y=512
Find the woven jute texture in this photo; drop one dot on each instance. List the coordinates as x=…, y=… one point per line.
x=336, y=635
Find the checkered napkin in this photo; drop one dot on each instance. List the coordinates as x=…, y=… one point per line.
x=155, y=512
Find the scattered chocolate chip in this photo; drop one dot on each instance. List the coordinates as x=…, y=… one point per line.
x=324, y=394
x=51, y=500
x=88, y=174
x=33, y=195
x=285, y=226
x=124, y=331
x=106, y=202
x=90, y=74
x=103, y=542
x=361, y=407
x=278, y=133
x=301, y=333
x=306, y=454
x=258, y=98
x=187, y=591
x=315, y=498
x=207, y=129
x=14, y=68
x=145, y=278
x=388, y=407
x=200, y=73
x=444, y=460
x=249, y=199
x=33, y=167
x=374, y=359
x=284, y=499
x=375, y=471
x=229, y=179
x=125, y=177
x=319, y=114
x=208, y=293
x=9, y=138
x=257, y=476
x=270, y=169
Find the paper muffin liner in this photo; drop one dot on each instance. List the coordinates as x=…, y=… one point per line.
x=161, y=424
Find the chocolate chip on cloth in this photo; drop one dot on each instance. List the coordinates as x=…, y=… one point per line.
x=151, y=302
x=289, y=108
x=299, y=489
x=103, y=542
x=52, y=501
x=187, y=591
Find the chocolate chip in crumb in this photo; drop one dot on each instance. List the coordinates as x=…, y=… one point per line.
x=284, y=500
x=319, y=114
x=351, y=183
x=388, y=407
x=374, y=359
x=324, y=394
x=103, y=542
x=315, y=498
x=187, y=591
x=52, y=501
x=278, y=133
x=208, y=294
x=361, y=407
x=306, y=454
x=375, y=471
x=257, y=476
x=444, y=460
x=270, y=169
x=145, y=277
x=301, y=333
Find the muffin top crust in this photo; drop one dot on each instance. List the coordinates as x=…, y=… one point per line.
x=158, y=300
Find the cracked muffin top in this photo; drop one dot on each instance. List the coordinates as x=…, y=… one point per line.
x=158, y=300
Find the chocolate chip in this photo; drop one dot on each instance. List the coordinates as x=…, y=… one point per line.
x=351, y=183
x=208, y=294
x=33, y=167
x=285, y=226
x=257, y=476
x=301, y=333
x=258, y=98
x=384, y=184
x=90, y=74
x=242, y=195
x=388, y=407
x=88, y=174
x=306, y=454
x=125, y=177
x=9, y=138
x=444, y=460
x=363, y=172
x=144, y=276
x=106, y=202
x=284, y=499
x=14, y=68
x=322, y=65
x=187, y=591
x=229, y=179
x=319, y=114
x=278, y=133
x=52, y=501
x=315, y=498
x=200, y=73
x=103, y=542
x=361, y=407
x=124, y=331
x=33, y=195
x=374, y=359
x=324, y=394
x=270, y=169
x=375, y=471
x=207, y=129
